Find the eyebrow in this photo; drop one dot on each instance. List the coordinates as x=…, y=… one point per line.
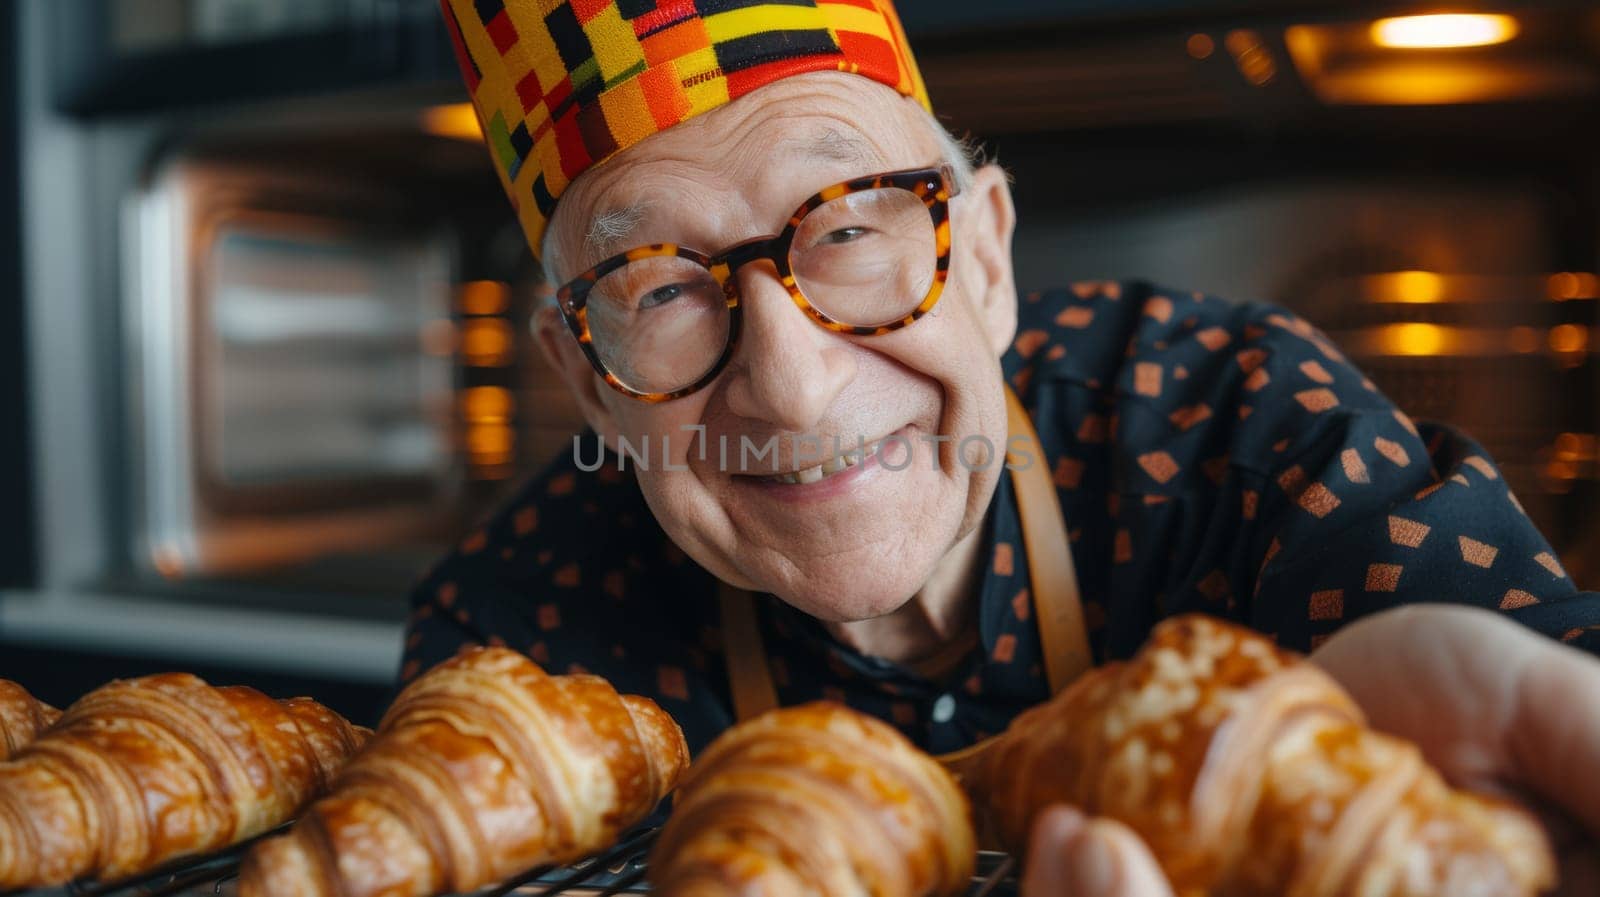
x=609, y=231
x=832, y=146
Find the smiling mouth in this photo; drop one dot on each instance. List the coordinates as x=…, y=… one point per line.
x=835, y=465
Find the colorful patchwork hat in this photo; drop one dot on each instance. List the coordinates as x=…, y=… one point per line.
x=563, y=85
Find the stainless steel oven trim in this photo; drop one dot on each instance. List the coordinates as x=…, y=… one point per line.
x=174, y=531
x=157, y=320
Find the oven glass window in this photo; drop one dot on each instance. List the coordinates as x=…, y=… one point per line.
x=324, y=367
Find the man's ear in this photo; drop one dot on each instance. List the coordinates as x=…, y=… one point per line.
x=990, y=221
x=561, y=352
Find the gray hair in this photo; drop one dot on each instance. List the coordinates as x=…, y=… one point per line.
x=964, y=155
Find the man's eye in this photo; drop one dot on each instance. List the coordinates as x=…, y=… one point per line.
x=843, y=235
x=660, y=296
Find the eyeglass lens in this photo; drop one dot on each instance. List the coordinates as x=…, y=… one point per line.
x=865, y=258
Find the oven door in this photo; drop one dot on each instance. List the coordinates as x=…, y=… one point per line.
x=292, y=350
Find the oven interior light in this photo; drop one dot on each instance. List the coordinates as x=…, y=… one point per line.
x=1405, y=286
x=1523, y=340
x=490, y=444
x=1251, y=55
x=457, y=121
x=485, y=342
x=487, y=404
x=1566, y=460
x=1415, y=339
x=1574, y=285
x=483, y=297
x=1569, y=339
x=1397, y=62
x=1444, y=31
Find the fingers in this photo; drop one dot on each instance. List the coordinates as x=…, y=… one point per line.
x=1555, y=740
x=1493, y=705
x=1072, y=856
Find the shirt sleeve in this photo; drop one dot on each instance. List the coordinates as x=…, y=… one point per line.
x=1331, y=502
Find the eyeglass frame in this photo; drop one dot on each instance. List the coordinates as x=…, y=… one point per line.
x=934, y=186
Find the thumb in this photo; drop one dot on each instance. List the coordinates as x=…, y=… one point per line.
x=1557, y=732
x=1071, y=856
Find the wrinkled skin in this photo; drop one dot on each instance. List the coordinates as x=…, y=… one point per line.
x=893, y=536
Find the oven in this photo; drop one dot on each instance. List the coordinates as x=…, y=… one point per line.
x=277, y=347
x=321, y=358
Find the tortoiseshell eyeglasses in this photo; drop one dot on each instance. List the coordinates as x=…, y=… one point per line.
x=865, y=257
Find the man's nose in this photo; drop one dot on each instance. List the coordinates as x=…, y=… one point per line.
x=787, y=370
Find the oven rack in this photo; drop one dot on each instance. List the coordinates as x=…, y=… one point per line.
x=617, y=871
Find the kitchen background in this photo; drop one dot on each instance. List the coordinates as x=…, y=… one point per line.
x=263, y=344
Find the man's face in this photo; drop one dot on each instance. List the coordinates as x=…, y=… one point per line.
x=859, y=543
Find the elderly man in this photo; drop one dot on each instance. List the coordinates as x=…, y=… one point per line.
x=830, y=401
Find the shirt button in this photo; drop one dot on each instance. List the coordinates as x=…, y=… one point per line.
x=944, y=709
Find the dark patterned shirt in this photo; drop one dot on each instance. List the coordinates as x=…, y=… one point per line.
x=1209, y=457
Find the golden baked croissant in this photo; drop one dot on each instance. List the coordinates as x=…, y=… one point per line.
x=22, y=718
x=143, y=771
x=1251, y=773
x=815, y=800
x=483, y=768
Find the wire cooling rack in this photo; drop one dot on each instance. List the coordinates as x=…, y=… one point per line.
x=618, y=871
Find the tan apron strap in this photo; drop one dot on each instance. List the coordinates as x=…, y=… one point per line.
x=748, y=676
x=1057, y=603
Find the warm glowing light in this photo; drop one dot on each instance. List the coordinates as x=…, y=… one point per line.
x=1559, y=476
x=1406, y=286
x=486, y=342
x=1201, y=46
x=1355, y=64
x=490, y=443
x=483, y=297
x=492, y=404
x=1254, y=60
x=1569, y=285
x=1569, y=339
x=1434, y=32
x=1575, y=446
x=1414, y=339
x=457, y=121
x=1523, y=339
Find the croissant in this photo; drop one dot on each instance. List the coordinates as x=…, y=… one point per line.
x=484, y=767
x=815, y=800
x=143, y=771
x=1251, y=773
x=22, y=718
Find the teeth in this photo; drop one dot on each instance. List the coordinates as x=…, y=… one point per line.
x=827, y=468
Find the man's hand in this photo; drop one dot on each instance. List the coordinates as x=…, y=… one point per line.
x=1495, y=707
x=1071, y=856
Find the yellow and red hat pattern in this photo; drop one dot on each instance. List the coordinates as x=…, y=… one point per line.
x=562, y=85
